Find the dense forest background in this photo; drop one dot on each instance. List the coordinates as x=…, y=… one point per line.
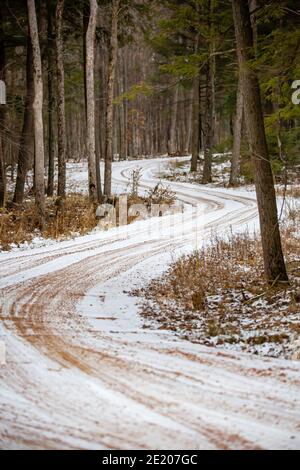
x=128, y=79
x=176, y=71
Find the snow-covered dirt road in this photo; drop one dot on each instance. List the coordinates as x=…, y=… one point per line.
x=81, y=372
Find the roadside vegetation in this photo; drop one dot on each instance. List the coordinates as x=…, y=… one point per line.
x=217, y=296
x=73, y=215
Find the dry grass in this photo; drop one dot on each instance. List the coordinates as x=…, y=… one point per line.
x=289, y=192
x=75, y=215
x=218, y=296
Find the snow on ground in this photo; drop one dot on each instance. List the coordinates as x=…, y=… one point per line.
x=82, y=372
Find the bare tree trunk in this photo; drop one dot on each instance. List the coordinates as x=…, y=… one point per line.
x=208, y=125
x=61, y=121
x=173, y=144
x=188, y=140
x=210, y=104
x=253, y=7
x=25, y=149
x=237, y=136
x=195, y=124
x=102, y=98
x=275, y=269
x=125, y=109
x=196, y=114
x=2, y=175
x=90, y=99
x=37, y=113
x=2, y=116
x=98, y=118
x=122, y=108
x=113, y=52
x=51, y=100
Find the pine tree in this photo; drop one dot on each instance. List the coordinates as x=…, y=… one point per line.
x=271, y=242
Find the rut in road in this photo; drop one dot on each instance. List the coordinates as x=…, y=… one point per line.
x=69, y=384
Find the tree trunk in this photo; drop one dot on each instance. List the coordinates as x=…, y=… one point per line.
x=37, y=113
x=2, y=174
x=113, y=51
x=252, y=8
x=274, y=264
x=237, y=136
x=172, y=144
x=195, y=124
x=196, y=113
x=210, y=103
x=189, y=123
x=51, y=100
x=98, y=118
x=122, y=108
x=25, y=149
x=2, y=116
x=125, y=108
x=90, y=99
x=207, y=168
x=61, y=118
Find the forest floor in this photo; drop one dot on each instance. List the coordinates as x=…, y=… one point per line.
x=179, y=170
x=82, y=369
x=71, y=217
x=218, y=297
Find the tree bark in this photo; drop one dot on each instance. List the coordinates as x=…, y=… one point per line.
x=274, y=264
x=210, y=103
x=237, y=136
x=51, y=99
x=173, y=144
x=61, y=117
x=122, y=108
x=195, y=124
x=113, y=52
x=2, y=116
x=90, y=99
x=196, y=112
x=98, y=118
x=25, y=149
x=208, y=127
x=37, y=113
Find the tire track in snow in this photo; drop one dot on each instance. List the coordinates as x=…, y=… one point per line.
x=70, y=385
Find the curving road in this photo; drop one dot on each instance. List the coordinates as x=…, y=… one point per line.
x=83, y=373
